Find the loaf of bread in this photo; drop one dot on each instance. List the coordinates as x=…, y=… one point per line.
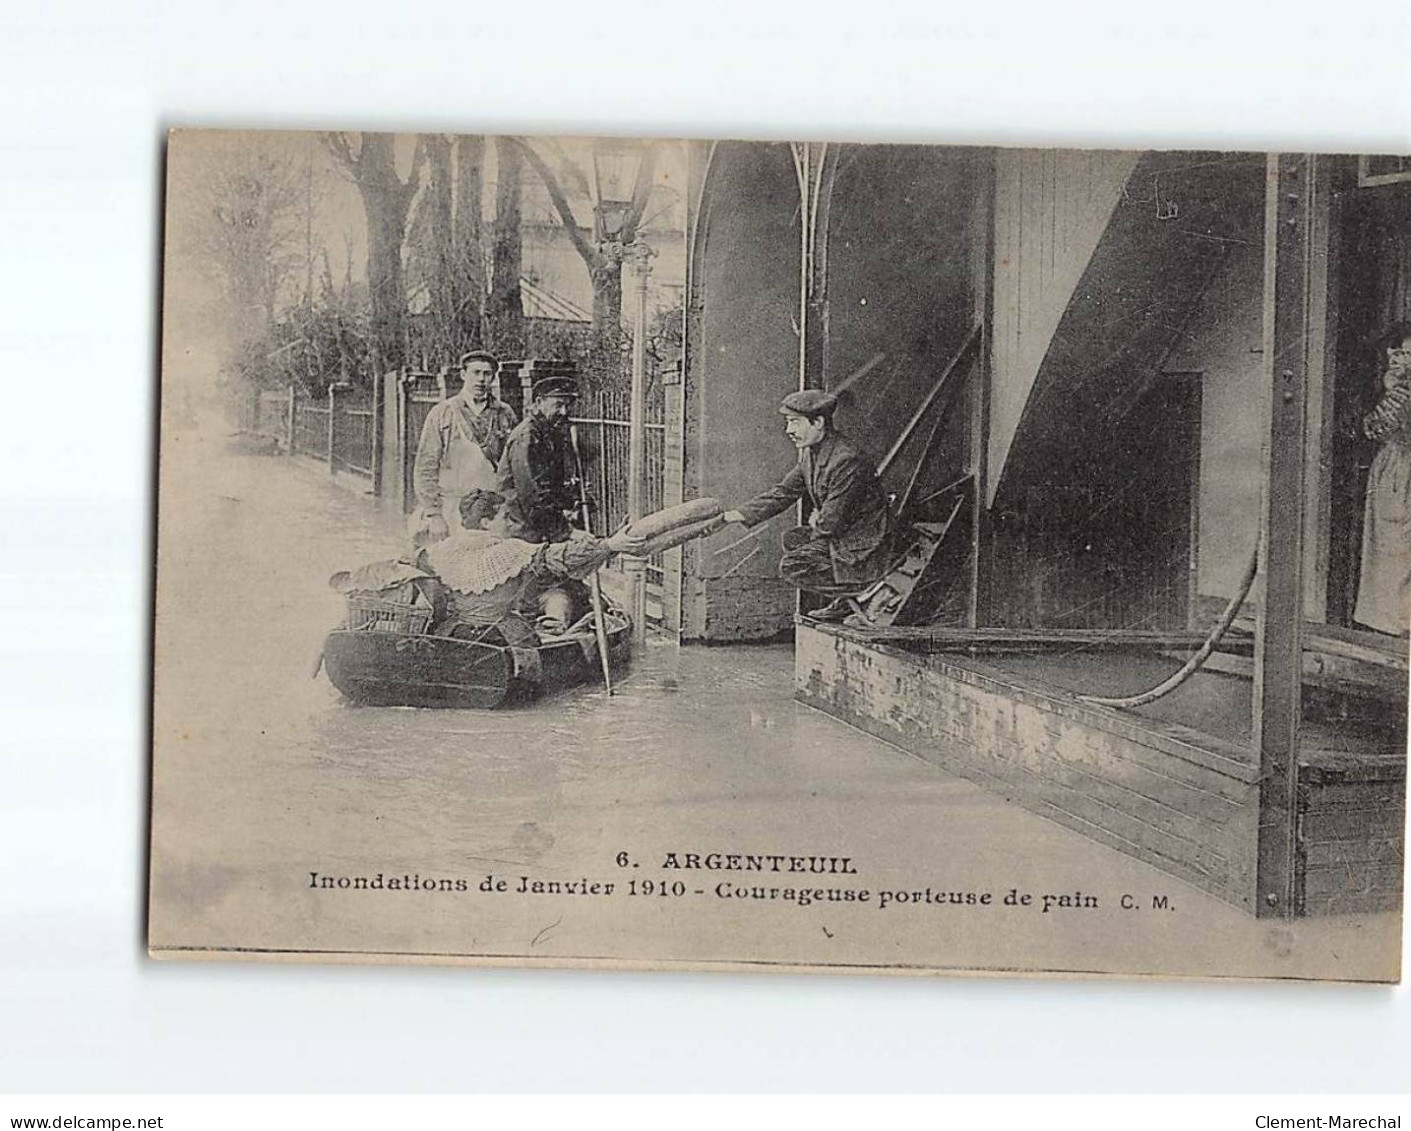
x=680, y=534
x=673, y=518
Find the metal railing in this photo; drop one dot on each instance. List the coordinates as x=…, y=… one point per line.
x=270, y=415
x=603, y=423
x=340, y=432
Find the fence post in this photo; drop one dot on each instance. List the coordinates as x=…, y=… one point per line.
x=406, y=442
x=374, y=442
x=331, y=416
x=289, y=410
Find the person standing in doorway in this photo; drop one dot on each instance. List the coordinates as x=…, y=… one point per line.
x=461, y=445
x=1384, y=591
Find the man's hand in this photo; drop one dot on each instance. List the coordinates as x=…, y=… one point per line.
x=733, y=516
x=625, y=542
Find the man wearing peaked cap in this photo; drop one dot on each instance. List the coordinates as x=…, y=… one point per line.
x=536, y=470
x=847, y=543
x=560, y=386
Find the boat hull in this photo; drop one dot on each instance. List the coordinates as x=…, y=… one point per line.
x=393, y=669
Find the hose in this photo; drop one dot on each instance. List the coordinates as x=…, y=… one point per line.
x=1194, y=664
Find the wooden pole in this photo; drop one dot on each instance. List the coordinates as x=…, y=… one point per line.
x=595, y=582
x=640, y=256
x=970, y=340
x=982, y=268
x=1289, y=208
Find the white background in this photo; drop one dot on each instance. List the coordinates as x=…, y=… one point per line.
x=88, y=90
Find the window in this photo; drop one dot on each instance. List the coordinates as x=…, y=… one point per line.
x=1382, y=170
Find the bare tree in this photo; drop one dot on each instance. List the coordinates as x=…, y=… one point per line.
x=468, y=251
x=445, y=256
x=429, y=262
x=603, y=259
x=242, y=226
x=504, y=309
x=370, y=160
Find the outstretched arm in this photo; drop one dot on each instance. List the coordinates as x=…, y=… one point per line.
x=774, y=501
x=581, y=556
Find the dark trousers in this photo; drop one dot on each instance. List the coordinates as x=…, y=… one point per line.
x=807, y=563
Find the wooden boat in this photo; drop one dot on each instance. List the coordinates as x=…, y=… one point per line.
x=375, y=667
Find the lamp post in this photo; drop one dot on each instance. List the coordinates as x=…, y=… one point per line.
x=616, y=166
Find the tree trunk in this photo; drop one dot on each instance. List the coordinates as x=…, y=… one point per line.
x=606, y=272
x=469, y=255
x=444, y=285
x=505, y=312
x=385, y=201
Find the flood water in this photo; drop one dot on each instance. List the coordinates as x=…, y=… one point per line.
x=265, y=781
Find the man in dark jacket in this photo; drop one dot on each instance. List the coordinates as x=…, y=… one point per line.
x=846, y=545
x=536, y=469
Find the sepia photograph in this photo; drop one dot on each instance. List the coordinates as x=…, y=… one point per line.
x=799, y=556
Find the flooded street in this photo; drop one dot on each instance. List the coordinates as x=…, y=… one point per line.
x=283, y=815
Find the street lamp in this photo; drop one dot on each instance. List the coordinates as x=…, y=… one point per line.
x=616, y=167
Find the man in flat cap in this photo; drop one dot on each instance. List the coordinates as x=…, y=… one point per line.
x=536, y=470
x=846, y=545
x=461, y=445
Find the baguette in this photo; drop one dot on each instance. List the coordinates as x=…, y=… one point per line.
x=679, y=534
x=683, y=514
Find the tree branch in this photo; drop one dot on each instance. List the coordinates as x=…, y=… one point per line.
x=413, y=185
x=641, y=193
x=342, y=153
x=565, y=210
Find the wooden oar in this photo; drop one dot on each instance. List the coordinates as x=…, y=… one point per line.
x=600, y=627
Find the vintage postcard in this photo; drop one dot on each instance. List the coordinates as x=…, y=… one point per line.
x=742, y=555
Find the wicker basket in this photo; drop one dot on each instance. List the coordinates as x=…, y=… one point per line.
x=367, y=613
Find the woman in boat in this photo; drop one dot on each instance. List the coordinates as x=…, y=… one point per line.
x=1384, y=591
x=497, y=581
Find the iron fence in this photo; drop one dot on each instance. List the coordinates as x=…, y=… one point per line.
x=271, y=415
x=339, y=431
x=603, y=418
x=353, y=438
x=310, y=428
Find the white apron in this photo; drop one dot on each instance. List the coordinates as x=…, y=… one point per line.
x=463, y=469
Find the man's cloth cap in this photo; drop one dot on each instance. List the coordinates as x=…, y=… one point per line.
x=809, y=402
x=479, y=355
x=556, y=387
